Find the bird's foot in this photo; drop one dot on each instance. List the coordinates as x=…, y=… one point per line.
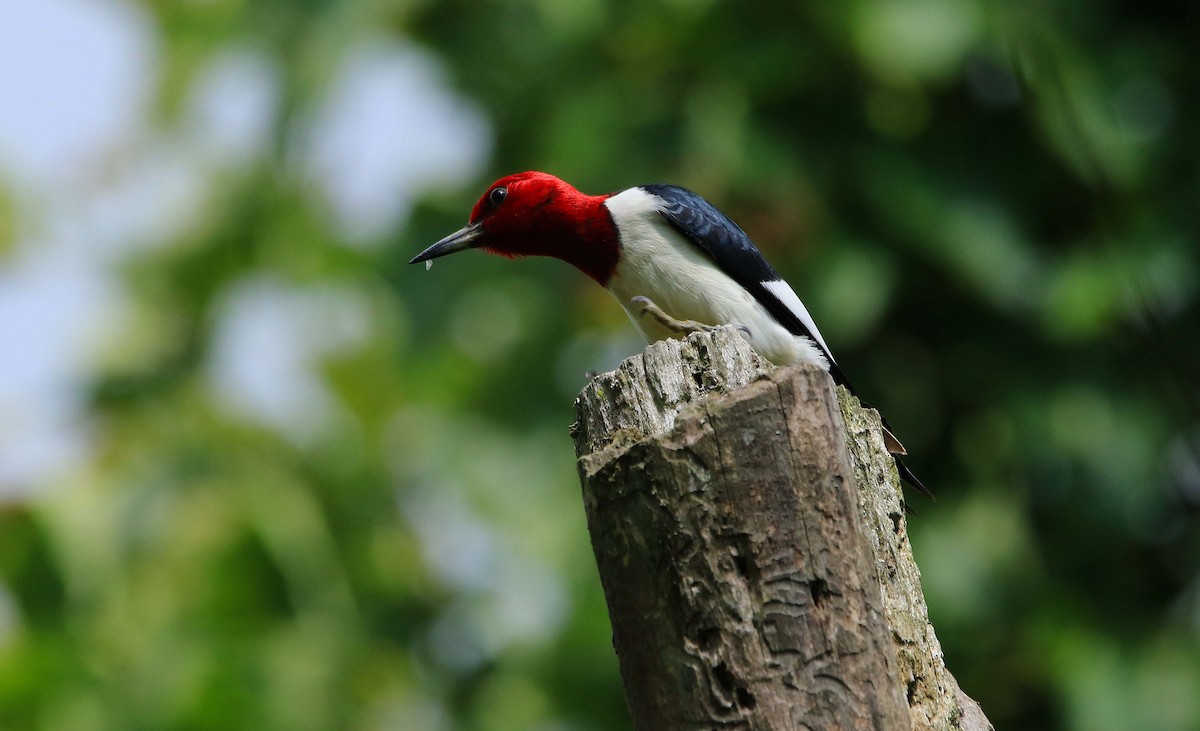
x=679, y=327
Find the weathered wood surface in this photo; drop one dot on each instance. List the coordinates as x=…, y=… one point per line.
x=934, y=698
x=741, y=565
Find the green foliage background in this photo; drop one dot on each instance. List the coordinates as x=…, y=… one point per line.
x=989, y=208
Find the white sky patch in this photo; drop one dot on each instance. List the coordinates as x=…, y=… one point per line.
x=146, y=204
x=461, y=548
x=267, y=346
x=507, y=597
x=388, y=128
x=52, y=307
x=74, y=77
x=233, y=105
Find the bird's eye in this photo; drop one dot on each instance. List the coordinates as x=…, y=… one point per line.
x=497, y=196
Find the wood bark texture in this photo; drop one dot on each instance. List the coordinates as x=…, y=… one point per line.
x=743, y=568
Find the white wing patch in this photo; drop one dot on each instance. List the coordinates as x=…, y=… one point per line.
x=784, y=294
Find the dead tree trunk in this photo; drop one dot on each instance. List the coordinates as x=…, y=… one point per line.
x=750, y=582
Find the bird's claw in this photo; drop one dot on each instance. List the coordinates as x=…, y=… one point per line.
x=679, y=327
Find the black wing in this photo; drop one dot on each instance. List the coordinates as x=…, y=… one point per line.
x=734, y=253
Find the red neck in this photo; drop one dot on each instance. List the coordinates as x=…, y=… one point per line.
x=595, y=249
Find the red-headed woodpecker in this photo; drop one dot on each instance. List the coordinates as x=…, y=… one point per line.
x=660, y=250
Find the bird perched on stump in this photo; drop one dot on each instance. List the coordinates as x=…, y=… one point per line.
x=671, y=259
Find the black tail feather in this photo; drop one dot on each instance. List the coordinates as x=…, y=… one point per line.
x=907, y=475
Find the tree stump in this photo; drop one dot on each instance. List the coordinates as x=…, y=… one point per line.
x=750, y=582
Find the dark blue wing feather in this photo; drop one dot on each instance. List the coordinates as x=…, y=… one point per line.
x=734, y=253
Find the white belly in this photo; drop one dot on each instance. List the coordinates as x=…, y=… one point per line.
x=767, y=337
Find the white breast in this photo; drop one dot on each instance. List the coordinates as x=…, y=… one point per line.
x=657, y=262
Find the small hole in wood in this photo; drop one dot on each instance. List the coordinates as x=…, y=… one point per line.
x=819, y=588
x=741, y=564
x=741, y=694
x=745, y=698
x=724, y=678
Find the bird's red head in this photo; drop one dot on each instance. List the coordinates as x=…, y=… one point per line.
x=537, y=214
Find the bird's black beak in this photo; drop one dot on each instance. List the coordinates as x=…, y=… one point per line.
x=465, y=238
